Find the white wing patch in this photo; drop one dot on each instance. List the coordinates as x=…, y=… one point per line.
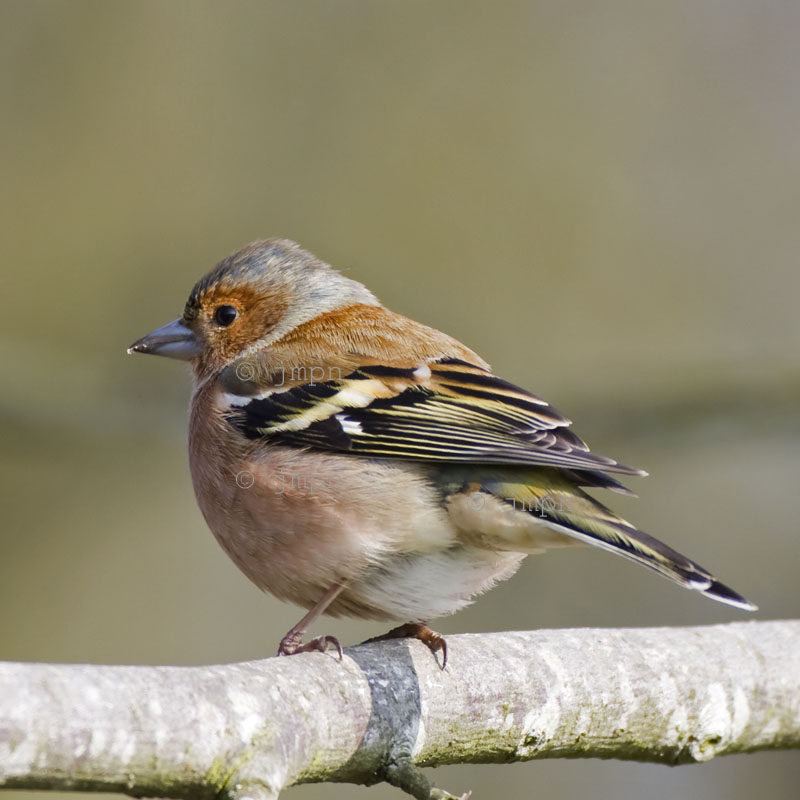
x=349, y=426
x=229, y=400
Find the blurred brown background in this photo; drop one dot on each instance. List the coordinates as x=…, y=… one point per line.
x=602, y=199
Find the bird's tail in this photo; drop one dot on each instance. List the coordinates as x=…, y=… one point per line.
x=559, y=504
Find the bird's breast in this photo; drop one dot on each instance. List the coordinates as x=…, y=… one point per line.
x=296, y=520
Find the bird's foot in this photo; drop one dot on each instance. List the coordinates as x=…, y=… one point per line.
x=434, y=641
x=292, y=643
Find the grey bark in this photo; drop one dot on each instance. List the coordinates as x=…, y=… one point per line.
x=667, y=695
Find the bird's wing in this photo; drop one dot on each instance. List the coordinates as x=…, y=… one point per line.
x=447, y=410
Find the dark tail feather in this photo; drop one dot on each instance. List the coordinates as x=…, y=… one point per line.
x=718, y=591
x=598, y=480
x=591, y=522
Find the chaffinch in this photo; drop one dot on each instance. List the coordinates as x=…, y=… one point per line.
x=358, y=463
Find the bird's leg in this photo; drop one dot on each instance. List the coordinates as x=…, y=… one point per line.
x=291, y=643
x=434, y=641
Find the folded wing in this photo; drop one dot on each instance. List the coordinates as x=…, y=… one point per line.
x=445, y=411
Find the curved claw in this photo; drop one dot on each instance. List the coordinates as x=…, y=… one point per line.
x=434, y=641
x=291, y=645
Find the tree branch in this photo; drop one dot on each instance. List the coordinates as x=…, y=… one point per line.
x=667, y=695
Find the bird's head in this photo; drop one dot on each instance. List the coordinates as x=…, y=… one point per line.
x=249, y=301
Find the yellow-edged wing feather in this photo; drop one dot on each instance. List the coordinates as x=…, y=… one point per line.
x=445, y=411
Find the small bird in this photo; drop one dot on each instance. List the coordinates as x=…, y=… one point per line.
x=358, y=463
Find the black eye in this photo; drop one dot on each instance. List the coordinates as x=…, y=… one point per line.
x=224, y=315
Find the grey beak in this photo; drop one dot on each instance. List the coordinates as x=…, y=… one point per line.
x=173, y=340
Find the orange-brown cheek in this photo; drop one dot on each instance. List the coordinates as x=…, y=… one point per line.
x=258, y=315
